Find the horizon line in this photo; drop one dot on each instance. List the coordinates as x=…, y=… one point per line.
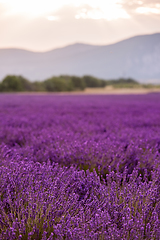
x=74, y=43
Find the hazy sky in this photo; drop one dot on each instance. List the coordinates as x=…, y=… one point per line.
x=41, y=25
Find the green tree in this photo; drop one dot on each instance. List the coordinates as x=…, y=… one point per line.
x=93, y=82
x=38, y=86
x=26, y=85
x=78, y=83
x=68, y=82
x=55, y=84
x=12, y=83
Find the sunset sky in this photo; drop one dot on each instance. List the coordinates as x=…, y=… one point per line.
x=41, y=25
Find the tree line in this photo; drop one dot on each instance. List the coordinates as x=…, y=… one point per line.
x=63, y=83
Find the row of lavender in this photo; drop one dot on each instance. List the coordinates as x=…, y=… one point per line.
x=79, y=167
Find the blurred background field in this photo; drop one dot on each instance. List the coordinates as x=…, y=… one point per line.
x=74, y=84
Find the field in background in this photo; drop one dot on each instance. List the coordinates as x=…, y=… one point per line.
x=121, y=90
x=108, y=90
x=74, y=84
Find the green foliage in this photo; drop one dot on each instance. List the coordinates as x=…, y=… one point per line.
x=124, y=83
x=26, y=85
x=55, y=84
x=63, y=83
x=93, y=82
x=13, y=83
x=78, y=83
x=150, y=86
x=38, y=87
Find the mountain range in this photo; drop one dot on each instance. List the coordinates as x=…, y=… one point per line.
x=137, y=57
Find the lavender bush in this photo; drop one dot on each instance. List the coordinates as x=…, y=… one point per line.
x=79, y=167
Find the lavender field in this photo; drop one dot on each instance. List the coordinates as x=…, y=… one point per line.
x=80, y=167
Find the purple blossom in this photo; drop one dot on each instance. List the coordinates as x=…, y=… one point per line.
x=79, y=167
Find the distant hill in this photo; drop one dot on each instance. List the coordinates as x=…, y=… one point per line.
x=137, y=57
